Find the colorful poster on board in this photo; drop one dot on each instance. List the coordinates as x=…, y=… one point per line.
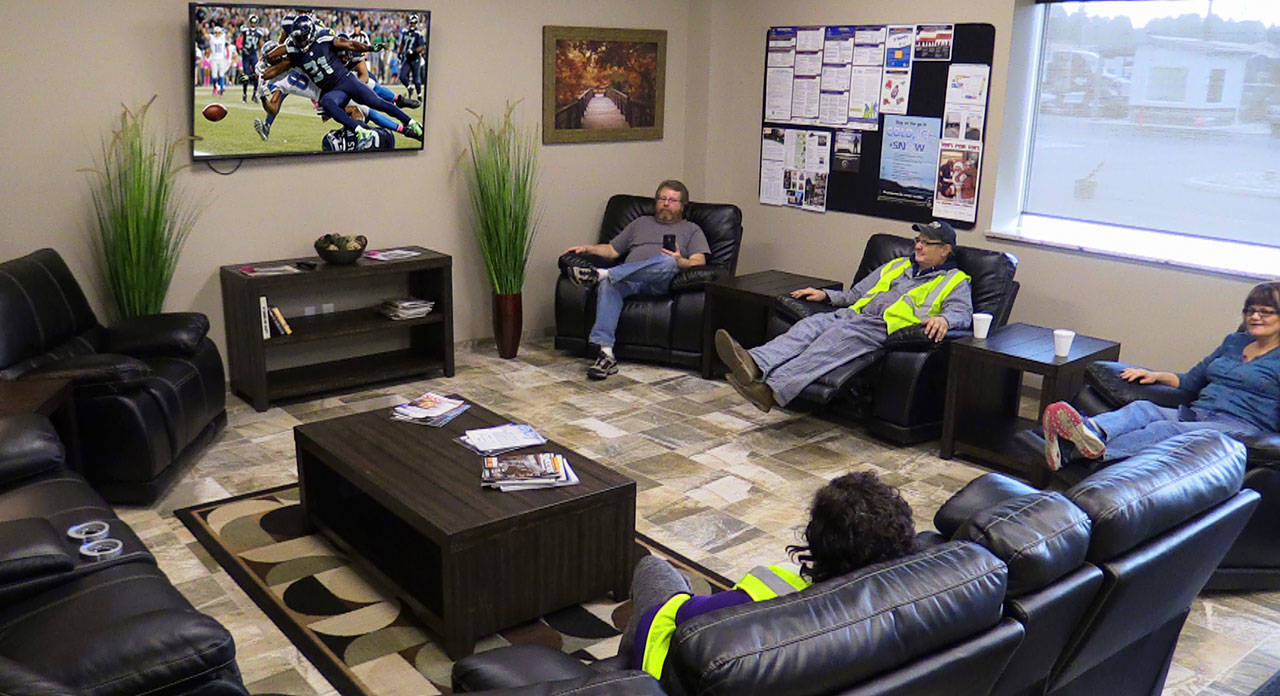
x=909, y=160
x=897, y=47
x=956, y=192
x=933, y=41
x=794, y=168
x=894, y=90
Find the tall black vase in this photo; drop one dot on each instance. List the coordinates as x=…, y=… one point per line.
x=508, y=317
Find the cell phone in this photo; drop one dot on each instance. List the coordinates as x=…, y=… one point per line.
x=669, y=242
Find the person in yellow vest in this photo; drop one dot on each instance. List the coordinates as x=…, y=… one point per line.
x=855, y=521
x=924, y=289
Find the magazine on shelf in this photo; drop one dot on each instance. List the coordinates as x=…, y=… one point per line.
x=524, y=471
x=406, y=308
x=254, y=271
x=391, y=254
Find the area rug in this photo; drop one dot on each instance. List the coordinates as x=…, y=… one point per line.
x=355, y=632
x=1271, y=688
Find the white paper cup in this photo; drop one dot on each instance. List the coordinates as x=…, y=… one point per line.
x=981, y=324
x=1062, y=339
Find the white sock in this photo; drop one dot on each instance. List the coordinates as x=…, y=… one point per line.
x=604, y=273
x=607, y=351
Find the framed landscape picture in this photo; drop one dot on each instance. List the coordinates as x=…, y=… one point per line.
x=602, y=84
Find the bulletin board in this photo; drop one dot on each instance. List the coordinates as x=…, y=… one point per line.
x=883, y=120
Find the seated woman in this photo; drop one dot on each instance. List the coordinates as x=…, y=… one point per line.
x=855, y=521
x=1237, y=391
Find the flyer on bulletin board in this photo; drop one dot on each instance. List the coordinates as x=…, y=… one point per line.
x=909, y=160
x=794, y=167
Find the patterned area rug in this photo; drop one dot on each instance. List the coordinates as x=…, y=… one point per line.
x=356, y=633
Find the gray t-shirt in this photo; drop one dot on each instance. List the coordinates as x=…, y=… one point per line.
x=642, y=238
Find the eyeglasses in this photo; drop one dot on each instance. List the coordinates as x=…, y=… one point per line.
x=928, y=242
x=1262, y=312
x=662, y=199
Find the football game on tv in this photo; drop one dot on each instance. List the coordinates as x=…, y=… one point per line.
x=272, y=80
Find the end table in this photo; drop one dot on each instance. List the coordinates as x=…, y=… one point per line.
x=741, y=305
x=980, y=415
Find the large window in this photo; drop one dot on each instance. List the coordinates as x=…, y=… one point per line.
x=1155, y=132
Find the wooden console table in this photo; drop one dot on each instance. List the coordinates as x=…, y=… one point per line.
x=980, y=416
x=250, y=356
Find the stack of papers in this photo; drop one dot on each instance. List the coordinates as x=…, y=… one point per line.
x=430, y=409
x=406, y=308
x=269, y=270
x=390, y=254
x=502, y=438
x=514, y=472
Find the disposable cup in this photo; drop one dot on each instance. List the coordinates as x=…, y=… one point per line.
x=1062, y=339
x=981, y=324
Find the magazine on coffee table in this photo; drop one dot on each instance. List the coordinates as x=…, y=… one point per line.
x=525, y=471
x=430, y=409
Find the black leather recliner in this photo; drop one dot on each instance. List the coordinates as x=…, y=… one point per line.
x=149, y=391
x=70, y=625
x=1254, y=560
x=653, y=328
x=898, y=391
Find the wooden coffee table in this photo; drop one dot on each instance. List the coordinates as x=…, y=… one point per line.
x=405, y=501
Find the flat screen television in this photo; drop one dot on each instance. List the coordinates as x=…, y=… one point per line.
x=272, y=80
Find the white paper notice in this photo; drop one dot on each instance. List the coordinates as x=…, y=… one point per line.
x=809, y=38
x=864, y=93
x=894, y=89
x=808, y=64
x=804, y=98
x=833, y=108
x=777, y=94
x=772, y=153
x=835, y=77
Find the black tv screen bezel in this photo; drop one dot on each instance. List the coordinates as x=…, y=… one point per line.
x=193, y=113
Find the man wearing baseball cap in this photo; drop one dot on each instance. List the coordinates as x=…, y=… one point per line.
x=923, y=291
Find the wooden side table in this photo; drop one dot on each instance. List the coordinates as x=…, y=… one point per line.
x=742, y=305
x=980, y=416
x=50, y=398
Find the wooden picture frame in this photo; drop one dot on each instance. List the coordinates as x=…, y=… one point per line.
x=620, y=73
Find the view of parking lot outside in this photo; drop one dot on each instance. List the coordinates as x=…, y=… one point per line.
x=1161, y=115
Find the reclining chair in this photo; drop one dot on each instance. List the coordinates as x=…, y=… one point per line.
x=148, y=391
x=652, y=328
x=1253, y=562
x=898, y=391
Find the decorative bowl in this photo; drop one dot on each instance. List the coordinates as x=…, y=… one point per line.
x=341, y=250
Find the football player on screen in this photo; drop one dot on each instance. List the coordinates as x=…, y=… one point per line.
x=313, y=49
x=252, y=37
x=282, y=84
x=413, y=53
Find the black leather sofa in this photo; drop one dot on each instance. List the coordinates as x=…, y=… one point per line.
x=898, y=392
x=653, y=328
x=1020, y=592
x=71, y=625
x=148, y=391
x=1254, y=560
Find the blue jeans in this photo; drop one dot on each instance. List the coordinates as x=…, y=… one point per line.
x=1138, y=425
x=652, y=276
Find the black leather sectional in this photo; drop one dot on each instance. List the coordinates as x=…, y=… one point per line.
x=149, y=391
x=71, y=625
x=1019, y=592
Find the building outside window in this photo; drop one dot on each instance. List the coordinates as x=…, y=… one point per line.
x=1154, y=132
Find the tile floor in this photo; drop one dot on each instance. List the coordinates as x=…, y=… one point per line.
x=718, y=481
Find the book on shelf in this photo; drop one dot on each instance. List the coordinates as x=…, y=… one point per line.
x=406, y=308
x=430, y=409
x=510, y=472
x=278, y=321
x=265, y=315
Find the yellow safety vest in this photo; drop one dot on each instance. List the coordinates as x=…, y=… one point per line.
x=760, y=584
x=916, y=304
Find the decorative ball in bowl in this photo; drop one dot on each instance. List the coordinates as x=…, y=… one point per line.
x=341, y=249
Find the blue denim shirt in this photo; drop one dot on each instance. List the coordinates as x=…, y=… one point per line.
x=1225, y=383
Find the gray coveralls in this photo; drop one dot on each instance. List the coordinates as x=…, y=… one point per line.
x=817, y=344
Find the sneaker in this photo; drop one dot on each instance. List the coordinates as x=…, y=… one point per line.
x=740, y=362
x=604, y=367
x=262, y=127
x=758, y=393
x=405, y=102
x=413, y=129
x=1061, y=420
x=585, y=277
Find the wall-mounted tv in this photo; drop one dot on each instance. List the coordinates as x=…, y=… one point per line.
x=272, y=80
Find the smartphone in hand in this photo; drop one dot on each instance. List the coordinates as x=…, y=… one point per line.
x=669, y=242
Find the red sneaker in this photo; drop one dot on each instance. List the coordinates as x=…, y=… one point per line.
x=1061, y=420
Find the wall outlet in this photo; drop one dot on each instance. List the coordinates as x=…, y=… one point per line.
x=327, y=307
x=309, y=310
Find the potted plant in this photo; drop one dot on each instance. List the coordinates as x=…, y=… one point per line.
x=501, y=165
x=143, y=218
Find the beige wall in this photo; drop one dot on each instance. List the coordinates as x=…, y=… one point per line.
x=92, y=57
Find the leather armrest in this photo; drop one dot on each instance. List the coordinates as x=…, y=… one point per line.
x=977, y=495
x=696, y=278
x=1263, y=449
x=31, y=548
x=28, y=445
x=515, y=666
x=794, y=310
x=95, y=368
x=158, y=334
x=914, y=338
x=17, y=680
x=631, y=682
x=1104, y=377
x=575, y=260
